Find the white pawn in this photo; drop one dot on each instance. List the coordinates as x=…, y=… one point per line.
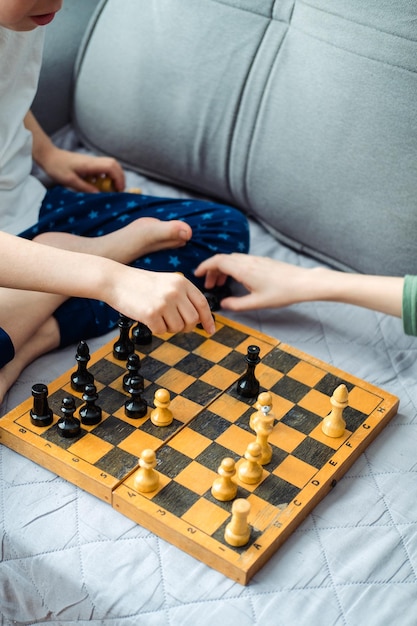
x=263, y=407
x=250, y=471
x=334, y=425
x=223, y=487
x=147, y=479
x=237, y=531
x=162, y=415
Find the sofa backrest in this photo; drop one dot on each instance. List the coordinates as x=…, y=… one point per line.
x=53, y=102
x=302, y=113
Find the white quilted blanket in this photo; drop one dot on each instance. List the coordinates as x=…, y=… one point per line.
x=69, y=558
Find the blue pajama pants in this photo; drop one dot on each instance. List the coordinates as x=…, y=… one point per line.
x=216, y=228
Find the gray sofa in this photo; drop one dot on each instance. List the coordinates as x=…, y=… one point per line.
x=303, y=114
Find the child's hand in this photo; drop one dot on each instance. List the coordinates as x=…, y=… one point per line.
x=166, y=302
x=269, y=283
x=70, y=169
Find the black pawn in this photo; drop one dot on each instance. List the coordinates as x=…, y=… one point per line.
x=90, y=413
x=136, y=406
x=141, y=334
x=133, y=366
x=40, y=414
x=124, y=345
x=248, y=385
x=82, y=376
x=68, y=425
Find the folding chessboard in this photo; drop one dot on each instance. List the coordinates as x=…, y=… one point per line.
x=211, y=422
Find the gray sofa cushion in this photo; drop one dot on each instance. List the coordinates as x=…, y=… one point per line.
x=302, y=113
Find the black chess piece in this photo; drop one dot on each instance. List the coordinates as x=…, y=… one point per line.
x=136, y=407
x=82, y=377
x=68, y=425
x=40, y=414
x=248, y=384
x=141, y=334
x=124, y=345
x=133, y=366
x=215, y=295
x=90, y=413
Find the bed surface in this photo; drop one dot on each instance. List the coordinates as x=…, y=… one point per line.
x=68, y=557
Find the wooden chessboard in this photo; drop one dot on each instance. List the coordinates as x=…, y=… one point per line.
x=211, y=421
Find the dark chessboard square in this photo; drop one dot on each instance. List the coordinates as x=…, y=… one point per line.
x=110, y=400
x=290, y=389
x=353, y=418
x=209, y=425
x=276, y=490
x=219, y=536
x=200, y=392
x=106, y=372
x=176, y=498
x=243, y=421
x=213, y=455
x=281, y=361
x=302, y=420
x=187, y=341
x=194, y=365
x=171, y=462
x=113, y=430
x=56, y=398
x=234, y=362
x=160, y=432
x=330, y=382
x=313, y=452
x=230, y=337
x=117, y=463
x=147, y=348
x=152, y=369
x=278, y=455
x=53, y=436
x=149, y=394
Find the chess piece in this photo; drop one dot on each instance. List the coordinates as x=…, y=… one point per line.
x=133, y=366
x=250, y=470
x=147, y=479
x=104, y=183
x=248, y=385
x=81, y=377
x=263, y=406
x=124, y=345
x=263, y=428
x=136, y=407
x=90, y=413
x=141, y=335
x=162, y=415
x=224, y=488
x=334, y=425
x=237, y=531
x=40, y=414
x=68, y=425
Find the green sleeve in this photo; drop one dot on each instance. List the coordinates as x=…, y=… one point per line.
x=409, y=305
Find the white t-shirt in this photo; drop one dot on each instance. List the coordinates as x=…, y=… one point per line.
x=20, y=193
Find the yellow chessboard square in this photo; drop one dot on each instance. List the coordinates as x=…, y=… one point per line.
x=295, y=471
x=90, y=448
x=206, y=516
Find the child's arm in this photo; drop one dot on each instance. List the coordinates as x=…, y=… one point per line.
x=70, y=168
x=273, y=284
x=163, y=301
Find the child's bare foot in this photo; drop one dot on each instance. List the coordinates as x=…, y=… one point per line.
x=141, y=237
x=45, y=339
